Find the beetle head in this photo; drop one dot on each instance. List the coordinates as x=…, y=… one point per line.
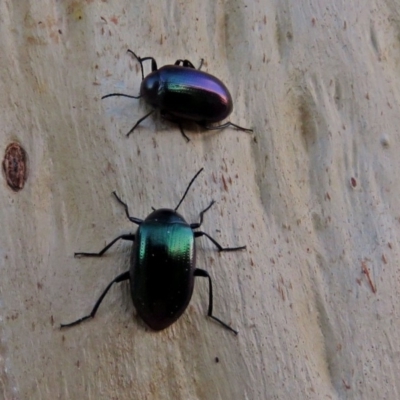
x=165, y=215
x=149, y=88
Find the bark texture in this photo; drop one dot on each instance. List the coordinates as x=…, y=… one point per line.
x=314, y=193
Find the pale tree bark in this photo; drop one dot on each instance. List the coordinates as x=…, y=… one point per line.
x=314, y=194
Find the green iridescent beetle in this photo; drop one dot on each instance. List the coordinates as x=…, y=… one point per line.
x=162, y=267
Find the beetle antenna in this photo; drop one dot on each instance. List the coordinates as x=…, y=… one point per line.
x=187, y=189
x=122, y=95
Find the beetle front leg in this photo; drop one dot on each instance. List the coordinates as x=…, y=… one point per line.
x=132, y=219
x=119, y=278
x=101, y=252
x=220, y=248
x=204, y=274
x=198, y=224
x=153, y=61
x=188, y=64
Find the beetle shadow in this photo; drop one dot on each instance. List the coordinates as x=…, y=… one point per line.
x=183, y=125
x=191, y=127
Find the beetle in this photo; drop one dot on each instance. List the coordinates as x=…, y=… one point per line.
x=182, y=92
x=162, y=266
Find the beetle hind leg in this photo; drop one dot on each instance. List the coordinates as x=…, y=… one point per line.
x=175, y=120
x=223, y=126
x=204, y=274
x=119, y=278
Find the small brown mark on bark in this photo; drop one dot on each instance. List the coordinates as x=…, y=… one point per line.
x=224, y=183
x=365, y=271
x=346, y=385
x=14, y=166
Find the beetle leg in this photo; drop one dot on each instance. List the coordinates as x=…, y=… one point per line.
x=139, y=121
x=132, y=219
x=204, y=274
x=119, y=278
x=178, y=62
x=198, y=224
x=183, y=132
x=201, y=64
x=153, y=62
x=101, y=252
x=220, y=248
x=185, y=63
x=188, y=64
x=165, y=115
x=179, y=124
x=212, y=128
